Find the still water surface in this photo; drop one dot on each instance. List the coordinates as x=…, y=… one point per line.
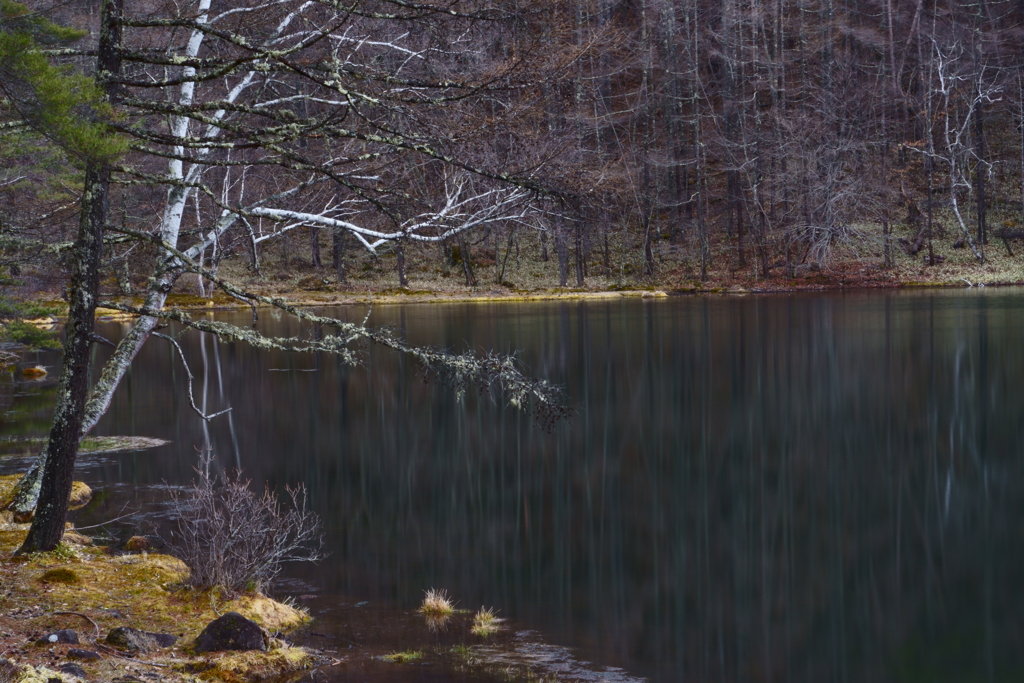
x=766, y=488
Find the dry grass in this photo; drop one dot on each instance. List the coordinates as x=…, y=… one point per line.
x=437, y=603
x=485, y=622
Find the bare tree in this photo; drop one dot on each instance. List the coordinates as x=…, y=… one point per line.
x=961, y=92
x=233, y=538
x=264, y=110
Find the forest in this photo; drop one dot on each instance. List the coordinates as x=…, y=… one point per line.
x=159, y=160
x=522, y=144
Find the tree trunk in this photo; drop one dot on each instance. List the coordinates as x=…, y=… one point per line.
x=48, y=482
x=979, y=174
x=47, y=528
x=400, y=252
x=467, y=267
x=648, y=246
x=562, y=250
x=578, y=235
x=338, y=253
x=314, y=247
x=607, y=260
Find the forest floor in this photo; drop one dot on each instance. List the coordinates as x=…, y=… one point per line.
x=91, y=589
x=516, y=270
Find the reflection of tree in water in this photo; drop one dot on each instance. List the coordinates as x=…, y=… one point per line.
x=805, y=489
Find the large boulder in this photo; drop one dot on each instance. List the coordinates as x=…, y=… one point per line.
x=232, y=632
x=134, y=640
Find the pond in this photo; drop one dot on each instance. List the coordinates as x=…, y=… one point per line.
x=816, y=487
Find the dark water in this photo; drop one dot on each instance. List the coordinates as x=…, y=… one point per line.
x=772, y=488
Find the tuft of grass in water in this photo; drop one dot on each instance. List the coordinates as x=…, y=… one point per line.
x=60, y=575
x=485, y=622
x=35, y=372
x=461, y=650
x=437, y=603
x=402, y=657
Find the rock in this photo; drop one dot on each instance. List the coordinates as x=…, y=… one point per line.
x=136, y=544
x=72, y=537
x=134, y=640
x=81, y=494
x=72, y=669
x=83, y=654
x=232, y=632
x=65, y=635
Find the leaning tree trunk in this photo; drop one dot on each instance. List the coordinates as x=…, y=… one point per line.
x=48, y=524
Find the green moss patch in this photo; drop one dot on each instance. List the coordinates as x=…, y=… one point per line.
x=403, y=657
x=60, y=575
x=89, y=445
x=63, y=589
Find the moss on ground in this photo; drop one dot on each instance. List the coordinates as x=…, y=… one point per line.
x=89, y=445
x=78, y=586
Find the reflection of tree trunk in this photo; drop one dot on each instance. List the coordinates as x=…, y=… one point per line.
x=338, y=253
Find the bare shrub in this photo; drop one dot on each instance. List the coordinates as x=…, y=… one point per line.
x=235, y=539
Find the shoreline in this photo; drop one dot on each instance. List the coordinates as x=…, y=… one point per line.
x=389, y=296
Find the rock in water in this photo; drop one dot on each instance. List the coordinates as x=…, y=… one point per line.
x=134, y=640
x=232, y=632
